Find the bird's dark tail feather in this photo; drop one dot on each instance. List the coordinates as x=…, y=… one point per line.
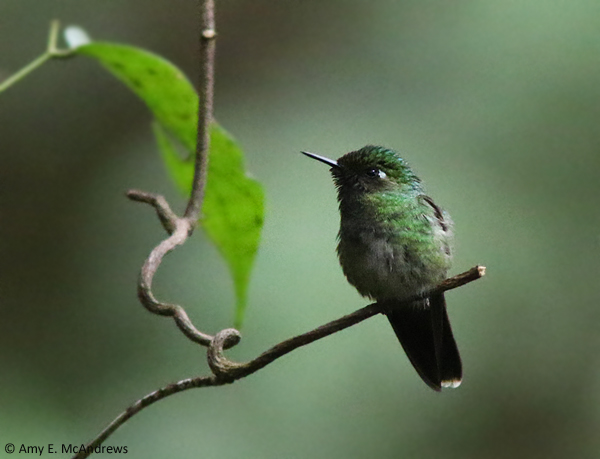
x=424, y=331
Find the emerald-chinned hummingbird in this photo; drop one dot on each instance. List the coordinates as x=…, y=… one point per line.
x=394, y=243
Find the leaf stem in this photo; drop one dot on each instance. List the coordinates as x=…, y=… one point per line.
x=16, y=77
x=52, y=51
x=53, y=37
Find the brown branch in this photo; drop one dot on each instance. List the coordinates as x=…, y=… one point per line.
x=205, y=91
x=143, y=403
x=166, y=216
x=226, y=371
x=180, y=228
x=225, y=368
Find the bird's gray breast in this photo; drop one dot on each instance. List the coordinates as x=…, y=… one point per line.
x=385, y=264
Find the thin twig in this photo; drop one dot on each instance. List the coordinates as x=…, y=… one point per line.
x=140, y=405
x=226, y=371
x=180, y=228
x=167, y=217
x=205, y=92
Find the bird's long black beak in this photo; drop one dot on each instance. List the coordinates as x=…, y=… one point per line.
x=323, y=159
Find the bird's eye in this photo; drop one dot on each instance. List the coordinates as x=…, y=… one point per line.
x=376, y=173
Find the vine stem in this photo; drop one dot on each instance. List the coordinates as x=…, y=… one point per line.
x=205, y=91
x=181, y=228
x=226, y=371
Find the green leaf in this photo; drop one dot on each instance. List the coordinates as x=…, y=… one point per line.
x=181, y=170
x=233, y=209
x=162, y=86
x=234, y=216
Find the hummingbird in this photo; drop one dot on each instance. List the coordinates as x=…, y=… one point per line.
x=394, y=244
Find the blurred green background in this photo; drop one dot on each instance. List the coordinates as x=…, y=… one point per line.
x=495, y=104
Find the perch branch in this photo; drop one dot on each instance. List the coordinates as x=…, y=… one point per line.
x=225, y=368
x=226, y=371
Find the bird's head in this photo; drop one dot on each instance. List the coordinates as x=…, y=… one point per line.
x=371, y=169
